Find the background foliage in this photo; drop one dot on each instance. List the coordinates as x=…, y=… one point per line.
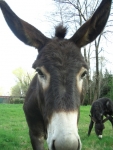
x=23, y=80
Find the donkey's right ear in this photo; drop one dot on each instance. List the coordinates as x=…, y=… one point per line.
x=23, y=30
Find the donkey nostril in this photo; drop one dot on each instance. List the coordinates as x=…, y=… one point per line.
x=53, y=145
x=78, y=145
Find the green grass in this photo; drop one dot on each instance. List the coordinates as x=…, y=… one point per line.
x=14, y=130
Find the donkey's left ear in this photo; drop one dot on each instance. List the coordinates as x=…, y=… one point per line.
x=94, y=26
x=108, y=104
x=23, y=30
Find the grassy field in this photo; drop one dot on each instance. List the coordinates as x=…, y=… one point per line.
x=14, y=130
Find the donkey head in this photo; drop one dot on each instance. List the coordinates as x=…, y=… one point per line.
x=99, y=124
x=99, y=127
x=60, y=70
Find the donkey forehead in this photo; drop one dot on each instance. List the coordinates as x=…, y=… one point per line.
x=60, y=53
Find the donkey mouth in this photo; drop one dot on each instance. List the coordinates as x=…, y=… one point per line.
x=53, y=145
x=78, y=145
x=100, y=136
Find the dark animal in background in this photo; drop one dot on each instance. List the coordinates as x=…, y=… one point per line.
x=53, y=99
x=100, y=108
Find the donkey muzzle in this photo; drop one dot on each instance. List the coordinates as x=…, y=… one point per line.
x=63, y=132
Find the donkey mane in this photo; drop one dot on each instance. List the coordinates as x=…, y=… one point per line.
x=60, y=31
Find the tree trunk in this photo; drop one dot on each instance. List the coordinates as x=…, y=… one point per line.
x=97, y=82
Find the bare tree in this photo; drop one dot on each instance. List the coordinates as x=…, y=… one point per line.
x=73, y=13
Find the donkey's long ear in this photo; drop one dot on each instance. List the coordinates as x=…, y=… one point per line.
x=24, y=31
x=94, y=26
x=108, y=104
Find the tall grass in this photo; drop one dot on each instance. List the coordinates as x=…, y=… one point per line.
x=14, y=130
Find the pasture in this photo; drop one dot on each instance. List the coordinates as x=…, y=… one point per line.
x=14, y=130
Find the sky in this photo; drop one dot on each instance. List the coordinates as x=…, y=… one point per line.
x=14, y=53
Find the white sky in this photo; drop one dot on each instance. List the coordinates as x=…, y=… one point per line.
x=15, y=54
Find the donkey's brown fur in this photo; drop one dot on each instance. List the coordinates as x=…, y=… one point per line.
x=53, y=99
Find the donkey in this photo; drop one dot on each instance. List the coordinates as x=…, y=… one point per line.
x=100, y=108
x=53, y=99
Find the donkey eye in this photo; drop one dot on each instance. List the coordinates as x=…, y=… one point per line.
x=83, y=74
x=40, y=72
